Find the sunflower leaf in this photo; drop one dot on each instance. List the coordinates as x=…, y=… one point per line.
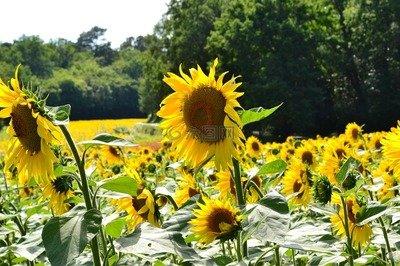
x=274, y=167
x=370, y=212
x=345, y=169
x=109, y=140
x=121, y=184
x=66, y=236
x=256, y=114
x=59, y=114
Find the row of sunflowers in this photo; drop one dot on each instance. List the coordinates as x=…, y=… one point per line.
x=204, y=195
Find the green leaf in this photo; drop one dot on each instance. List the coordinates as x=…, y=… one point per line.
x=256, y=114
x=347, y=166
x=332, y=260
x=370, y=212
x=121, y=184
x=150, y=240
x=114, y=228
x=365, y=260
x=31, y=246
x=65, y=237
x=274, y=167
x=59, y=114
x=269, y=220
x=107, y=139
x=179, y=220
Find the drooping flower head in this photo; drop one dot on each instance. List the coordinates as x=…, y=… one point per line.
x=199, y=116
x=31, y=133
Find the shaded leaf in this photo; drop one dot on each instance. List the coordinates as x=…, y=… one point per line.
x=59, y=114
x=107, y=139
x=65, y=237
x=370, y=212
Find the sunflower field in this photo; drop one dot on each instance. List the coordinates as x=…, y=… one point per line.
x=192, y=190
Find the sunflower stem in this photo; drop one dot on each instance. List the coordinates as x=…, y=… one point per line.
x=346, y=228
x=240, y=197
x=85, y=189
x=385, y=236
x=294, y=257
x=277, y=256
x=239, y=247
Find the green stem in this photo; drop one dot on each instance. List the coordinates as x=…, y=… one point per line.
x=294, y=257
x=239, y=196
x=223, y=248
x=239, y=247
x=346, y=227
x=385, y=236
x=85, y=189
x=277, y=257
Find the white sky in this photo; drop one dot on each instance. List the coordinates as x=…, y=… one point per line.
x=52, y=19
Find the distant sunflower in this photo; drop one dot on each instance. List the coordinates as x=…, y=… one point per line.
x=140, y=208
x=58, y=192
x=29, y=149
x=353, y=132
x=307, y=154
x=200, y=119
x=111, y=155
x=391, y=149
x=385, y=172
x=360, y=234
x=187, y=188
x=253, y=147
x=215, y=219
x=297, y=183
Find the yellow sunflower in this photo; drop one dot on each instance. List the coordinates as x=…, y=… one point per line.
x=391, y=149
x=253, y=147
x=111, y=155
x=215, y=219
x=307, y=154
x=297, y=183
x=353, y=132
x=389, y=181
x=140, y=208
x=200, y=119
x=29, y=149
x=187, y=188
x=58, y=192
x=225, y=184
x=359, y=234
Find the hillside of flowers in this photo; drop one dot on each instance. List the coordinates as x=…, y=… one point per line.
x=205, y=194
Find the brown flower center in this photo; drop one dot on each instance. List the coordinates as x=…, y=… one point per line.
x=354, y=133
x=297, y=187
x=307, y=157
x=25, y=128
x=204, y=114
x=137, y=204
x=255, y=146
x=351, y=215
x=218, y=217
x=192, y=192
x=114, y=151
x=340, y=153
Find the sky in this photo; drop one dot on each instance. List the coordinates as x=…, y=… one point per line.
x=52, y=19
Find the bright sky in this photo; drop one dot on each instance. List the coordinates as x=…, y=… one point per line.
x=52, y=19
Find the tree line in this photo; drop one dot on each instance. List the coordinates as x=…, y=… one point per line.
x=328, y=61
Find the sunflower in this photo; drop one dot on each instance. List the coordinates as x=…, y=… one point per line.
x=353, y=132
x=297, y=183
x=140, y=208
x=384, y=172
x=253, y=147
x=29, y=149
x=225, y=184
x=391, y=149
x=360, y=234
x=307, y=154
x=58, y=191
x=215, y=219
x=200, y=119
x=111, y=155
x=187, y=188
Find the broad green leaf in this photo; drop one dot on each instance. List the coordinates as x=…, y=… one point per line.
x=332, y=260
x=66, y=236
x=274, y=167
x=120, y=184
x=31, y=246
x=150, y=240
x=115, y=227
x=365, y=260
x=6, y=216
x=59, y=114
x=370, y=212
x=179, y=220
x=107, y=139
x=269, y=220
x=347, y=166
x=276, y=202
x=256, y=114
